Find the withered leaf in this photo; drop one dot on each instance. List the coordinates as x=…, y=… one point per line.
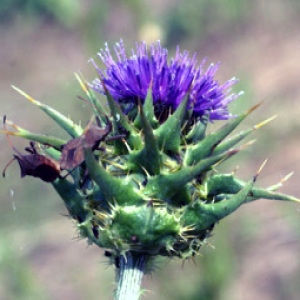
x=73, y=151
x=36, y=165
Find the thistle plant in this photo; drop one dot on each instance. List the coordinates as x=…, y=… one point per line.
x=140, y=179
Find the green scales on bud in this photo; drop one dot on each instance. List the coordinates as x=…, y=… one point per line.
x=145, y=186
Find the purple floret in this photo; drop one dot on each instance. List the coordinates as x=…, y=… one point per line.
x=129, y=78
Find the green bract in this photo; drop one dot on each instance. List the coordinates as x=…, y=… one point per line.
x=149, y=187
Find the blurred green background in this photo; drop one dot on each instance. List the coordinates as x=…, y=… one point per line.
x=254, y=254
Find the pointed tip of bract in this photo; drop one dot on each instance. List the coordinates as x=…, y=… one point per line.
x=254, y=107
x=287, y=177
x=263, y=123
x=149, y=107
x=260, y=170
x=149, y=157
x=68, y=125
x=82, y=83
x=29, y=98
x=7, y=132
x=169, y=132
x=294, y=199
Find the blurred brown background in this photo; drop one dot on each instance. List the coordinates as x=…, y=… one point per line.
x=42, y=43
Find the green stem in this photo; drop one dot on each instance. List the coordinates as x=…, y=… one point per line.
x=129, y=276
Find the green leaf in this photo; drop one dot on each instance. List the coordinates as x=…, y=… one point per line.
x=197, y=133
x=99, y=109
x=169, y=133
x=165, y=186
x=149, y=157
x=40, y=138
x=68, y=125
x=226, y=145
x=206, y=146
x=134, y=140
x=202, y=216
x=115, y=190
x=149, y=109
x=227, y=184
x=74, y=200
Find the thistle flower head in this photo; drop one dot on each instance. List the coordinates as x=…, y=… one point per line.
x=128, y=78
x=141, y=175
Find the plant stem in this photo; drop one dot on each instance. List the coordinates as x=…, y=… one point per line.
x=129, y=276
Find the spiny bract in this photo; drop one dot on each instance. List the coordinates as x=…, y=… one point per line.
x=142, y=177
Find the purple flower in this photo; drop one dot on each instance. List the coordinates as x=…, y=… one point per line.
x=129, y=78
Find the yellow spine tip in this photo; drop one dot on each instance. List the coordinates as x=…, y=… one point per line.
x=261, y=167
x=259, y=125
x=82, y=83
x=29, y=98
x=287, y=177
x=9, y=132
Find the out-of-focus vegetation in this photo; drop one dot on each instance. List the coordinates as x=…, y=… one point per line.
x=199, y=13
x=16, y=277
x=64, y=12
x=256, y=253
